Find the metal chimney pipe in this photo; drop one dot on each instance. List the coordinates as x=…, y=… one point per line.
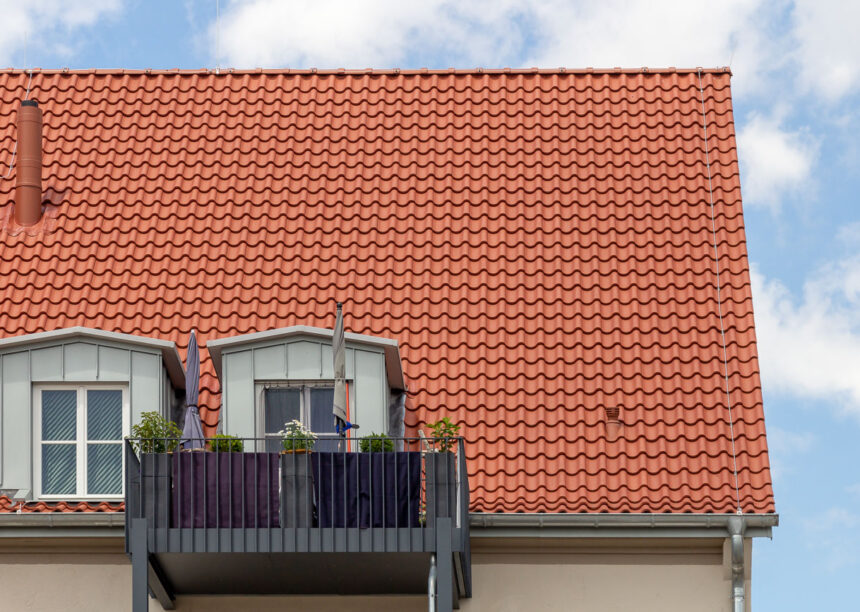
x=28, y=188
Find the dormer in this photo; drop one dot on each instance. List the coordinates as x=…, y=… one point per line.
x=270, y=377
x=67, y=398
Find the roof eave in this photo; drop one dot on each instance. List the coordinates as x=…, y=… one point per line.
x=620, y=525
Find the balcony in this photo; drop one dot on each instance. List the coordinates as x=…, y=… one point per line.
x=337, y=522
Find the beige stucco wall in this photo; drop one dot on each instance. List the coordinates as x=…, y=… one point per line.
x=508, y=575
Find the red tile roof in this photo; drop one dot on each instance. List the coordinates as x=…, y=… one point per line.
x=540, y=244
x=9, y=506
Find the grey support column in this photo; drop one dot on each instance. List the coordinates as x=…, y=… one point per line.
x=444, y=566
x=139, y=566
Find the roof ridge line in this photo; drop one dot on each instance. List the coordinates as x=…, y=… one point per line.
x=366, y=71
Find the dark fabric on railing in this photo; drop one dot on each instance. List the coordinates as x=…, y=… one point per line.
x=236, y=490
x=367, y=489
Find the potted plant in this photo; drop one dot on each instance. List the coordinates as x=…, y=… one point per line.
x=296, y=439
x=154, y=438
x=376, y=443
x=225, y=443
x=440, y=468
x=296, y=503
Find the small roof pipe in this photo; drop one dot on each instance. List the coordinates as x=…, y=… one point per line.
x=28, y=187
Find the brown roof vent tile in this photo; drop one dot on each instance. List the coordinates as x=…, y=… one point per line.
x=613, y=422
x=28, y=188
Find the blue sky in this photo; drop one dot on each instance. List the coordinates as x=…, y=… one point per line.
x=796, y=91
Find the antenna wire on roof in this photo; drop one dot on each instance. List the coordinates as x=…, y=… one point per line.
x=719, y=295
x=15, y=147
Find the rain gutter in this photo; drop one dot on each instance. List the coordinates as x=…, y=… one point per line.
x=62, y=524
x=604, y=525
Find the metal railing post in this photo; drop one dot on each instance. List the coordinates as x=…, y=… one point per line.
x=139, y=567
x=444, y=566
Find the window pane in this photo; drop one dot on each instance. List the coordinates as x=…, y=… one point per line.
x=59, y=414
x=104, y=415
x=58, y=469
x=282, y=405
x=322, y=420
x=331, y=445
x=104, y=469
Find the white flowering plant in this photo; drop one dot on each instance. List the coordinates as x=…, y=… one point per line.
x=294, y=436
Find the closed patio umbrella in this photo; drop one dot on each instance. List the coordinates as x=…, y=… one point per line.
x=192, y=432
x=338, y=349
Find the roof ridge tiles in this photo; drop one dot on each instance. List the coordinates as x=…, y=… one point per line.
x=361, y=71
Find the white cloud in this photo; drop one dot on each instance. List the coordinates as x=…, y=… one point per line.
x=776, y=162
x=386, y=33
x=46, y=23
x=763, y=45
x=343, y=33
x=811, y=347
x=661, y=33
x=828, y=50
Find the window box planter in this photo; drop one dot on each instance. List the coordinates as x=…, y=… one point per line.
x=367, y=489
x=225, y=490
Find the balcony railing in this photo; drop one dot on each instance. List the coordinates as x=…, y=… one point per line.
x=280, y=522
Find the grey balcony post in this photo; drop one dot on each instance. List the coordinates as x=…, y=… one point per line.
x=444, y=566
x=139, y=566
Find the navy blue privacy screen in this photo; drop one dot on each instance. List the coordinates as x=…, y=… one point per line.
x=225, y=490
x=367, y=489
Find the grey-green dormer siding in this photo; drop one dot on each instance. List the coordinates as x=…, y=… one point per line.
x=150, y=369
x=245, y=370
x=245, y=364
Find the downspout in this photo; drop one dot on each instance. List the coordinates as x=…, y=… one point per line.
x=736, y=527
x=431, y=585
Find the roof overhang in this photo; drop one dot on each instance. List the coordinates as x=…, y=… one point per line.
x=54, y=525
x=393, y=365
x=167, y=348
x=604, y=525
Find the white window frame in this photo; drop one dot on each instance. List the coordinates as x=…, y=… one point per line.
x=304, y=405
x=80, y=440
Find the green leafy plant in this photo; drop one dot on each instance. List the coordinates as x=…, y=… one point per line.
x=156, y=434
x=295, y=437
x=445, y=432
x=225, y=443
x=376, y=443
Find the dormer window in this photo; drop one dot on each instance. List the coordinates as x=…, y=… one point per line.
x=272, y=377
x=69, y=396
x=79, y=432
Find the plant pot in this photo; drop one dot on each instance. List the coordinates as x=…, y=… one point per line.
x=441, y=492
x=296, y=451
x=296, y=498
x=155, y=470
